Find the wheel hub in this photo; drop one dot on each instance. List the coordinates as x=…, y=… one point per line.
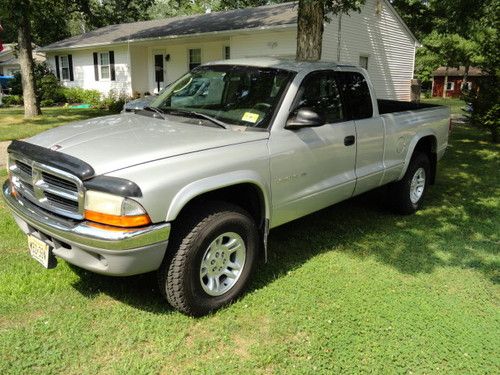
x=222, y=264
x=417, y=186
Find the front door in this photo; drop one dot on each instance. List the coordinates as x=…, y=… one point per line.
x=313, y=167
x=159, y=71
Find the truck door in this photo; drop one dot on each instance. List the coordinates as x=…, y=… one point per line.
x=370, y=130
x=313, y=167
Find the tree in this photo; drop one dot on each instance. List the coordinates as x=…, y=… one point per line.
x=19, y=13
x=311, y=15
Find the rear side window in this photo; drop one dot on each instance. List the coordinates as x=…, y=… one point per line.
x=320, y=93
x=356, y=95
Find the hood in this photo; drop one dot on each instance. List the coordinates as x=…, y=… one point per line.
x=116, y=142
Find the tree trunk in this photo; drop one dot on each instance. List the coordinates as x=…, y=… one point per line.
x=465, y=78
x=310, y=30
x=31, y=105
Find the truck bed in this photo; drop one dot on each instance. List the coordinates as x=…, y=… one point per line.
x=391, y=106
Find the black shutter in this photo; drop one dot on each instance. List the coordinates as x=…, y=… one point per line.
x=112, y=65
x=96, y=67
x=58, y=73
x=70, y=63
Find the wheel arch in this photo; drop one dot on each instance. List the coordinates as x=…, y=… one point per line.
x=243, y=188
x=427, y=144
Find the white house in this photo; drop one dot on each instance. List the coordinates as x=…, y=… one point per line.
x=140, y=57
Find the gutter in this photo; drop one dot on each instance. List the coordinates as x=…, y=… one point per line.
x=170, y=37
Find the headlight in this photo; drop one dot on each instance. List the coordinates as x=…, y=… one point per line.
x=113, y=210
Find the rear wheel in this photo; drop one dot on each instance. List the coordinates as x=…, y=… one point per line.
x=212, y=257
x=407, y=195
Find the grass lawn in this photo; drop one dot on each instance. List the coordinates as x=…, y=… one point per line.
x=14, y=126
x=350, y=289
x=455, y=105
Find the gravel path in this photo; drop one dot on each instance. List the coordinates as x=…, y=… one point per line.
x=3, y=153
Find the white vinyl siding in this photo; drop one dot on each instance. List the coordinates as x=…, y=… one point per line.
x=383, y=38
x=84, y=76
x=363, y=62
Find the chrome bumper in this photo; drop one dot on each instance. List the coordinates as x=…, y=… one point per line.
x=81, y=233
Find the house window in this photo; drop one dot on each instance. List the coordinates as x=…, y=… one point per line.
x=227, y=52
x=450, y=86
x=104, y=65
x=65, y=68
x=363, y=62
x=194, y=58
x=467, y=86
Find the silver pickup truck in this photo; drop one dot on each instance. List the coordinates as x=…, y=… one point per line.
x=191, y=185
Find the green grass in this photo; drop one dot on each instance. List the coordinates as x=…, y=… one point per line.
x=14, y=126
x=350, y=289
x=455, y=105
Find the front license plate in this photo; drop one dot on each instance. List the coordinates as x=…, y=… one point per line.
x=41, y=252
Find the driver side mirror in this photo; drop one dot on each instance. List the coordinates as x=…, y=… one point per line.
x=305, y=117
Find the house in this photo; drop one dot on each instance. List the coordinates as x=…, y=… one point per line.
x=453, y=80
x=142, y=57
x=9, y=63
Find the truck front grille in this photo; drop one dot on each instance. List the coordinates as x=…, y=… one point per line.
x=50, y=188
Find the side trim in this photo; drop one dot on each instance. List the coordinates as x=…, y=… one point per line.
x=52, y=158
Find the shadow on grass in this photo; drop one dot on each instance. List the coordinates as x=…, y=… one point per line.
x=458, y=227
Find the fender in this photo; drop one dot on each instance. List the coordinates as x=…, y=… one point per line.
x=205, y=185
x=411, y=147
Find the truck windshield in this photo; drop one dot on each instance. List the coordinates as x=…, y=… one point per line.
x=232, y=94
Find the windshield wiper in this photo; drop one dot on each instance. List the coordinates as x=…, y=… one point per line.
x=186, y=113
x=156, y=110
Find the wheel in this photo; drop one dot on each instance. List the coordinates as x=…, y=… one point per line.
x=407, y=195
x=212, y=257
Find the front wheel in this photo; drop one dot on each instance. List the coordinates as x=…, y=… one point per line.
x=407, y=195
x=213, y=254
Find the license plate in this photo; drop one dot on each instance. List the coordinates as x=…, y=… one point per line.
x=41, y=252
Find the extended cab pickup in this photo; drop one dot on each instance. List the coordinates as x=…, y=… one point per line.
x=191, y=185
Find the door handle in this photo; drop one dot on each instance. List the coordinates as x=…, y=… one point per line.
x=349, y=140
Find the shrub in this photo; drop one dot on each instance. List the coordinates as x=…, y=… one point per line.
x=114, y=102
x=47, y=103
x=77, y=95
x=13, y=100
x=47, y=85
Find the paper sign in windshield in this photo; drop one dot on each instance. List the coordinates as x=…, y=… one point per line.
x=250, y=117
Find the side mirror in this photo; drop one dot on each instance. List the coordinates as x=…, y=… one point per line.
x=305, y=117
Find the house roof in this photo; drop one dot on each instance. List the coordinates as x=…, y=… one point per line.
x=8, y=55
x=454, y=72
x=249, y=18
x=264, y=17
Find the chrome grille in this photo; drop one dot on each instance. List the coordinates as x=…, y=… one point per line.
x=50, y=188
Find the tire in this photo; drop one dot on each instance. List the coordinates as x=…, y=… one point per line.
x=212, y=256
x=407, y=195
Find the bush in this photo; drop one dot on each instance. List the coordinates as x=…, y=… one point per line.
x=13, y=100
x=486, y=110
x=47, y=103
x=47, y=85
x=113, y=102
x=77, y=95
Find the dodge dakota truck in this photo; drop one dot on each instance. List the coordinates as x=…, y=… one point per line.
x=191, y=185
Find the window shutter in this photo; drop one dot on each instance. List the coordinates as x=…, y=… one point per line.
x=70, y=63
x=58, y=73
x=112, y=65
x=96, y=67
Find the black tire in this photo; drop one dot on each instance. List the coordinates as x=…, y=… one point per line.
x=400, y=196
x=179, y=276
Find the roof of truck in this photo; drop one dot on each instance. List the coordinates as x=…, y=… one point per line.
x=286, y=64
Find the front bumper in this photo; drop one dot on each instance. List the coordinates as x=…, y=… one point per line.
x=97, y=249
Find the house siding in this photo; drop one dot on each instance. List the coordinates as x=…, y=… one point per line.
x=281, y=44
x=83, y=70
x=376, y=33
